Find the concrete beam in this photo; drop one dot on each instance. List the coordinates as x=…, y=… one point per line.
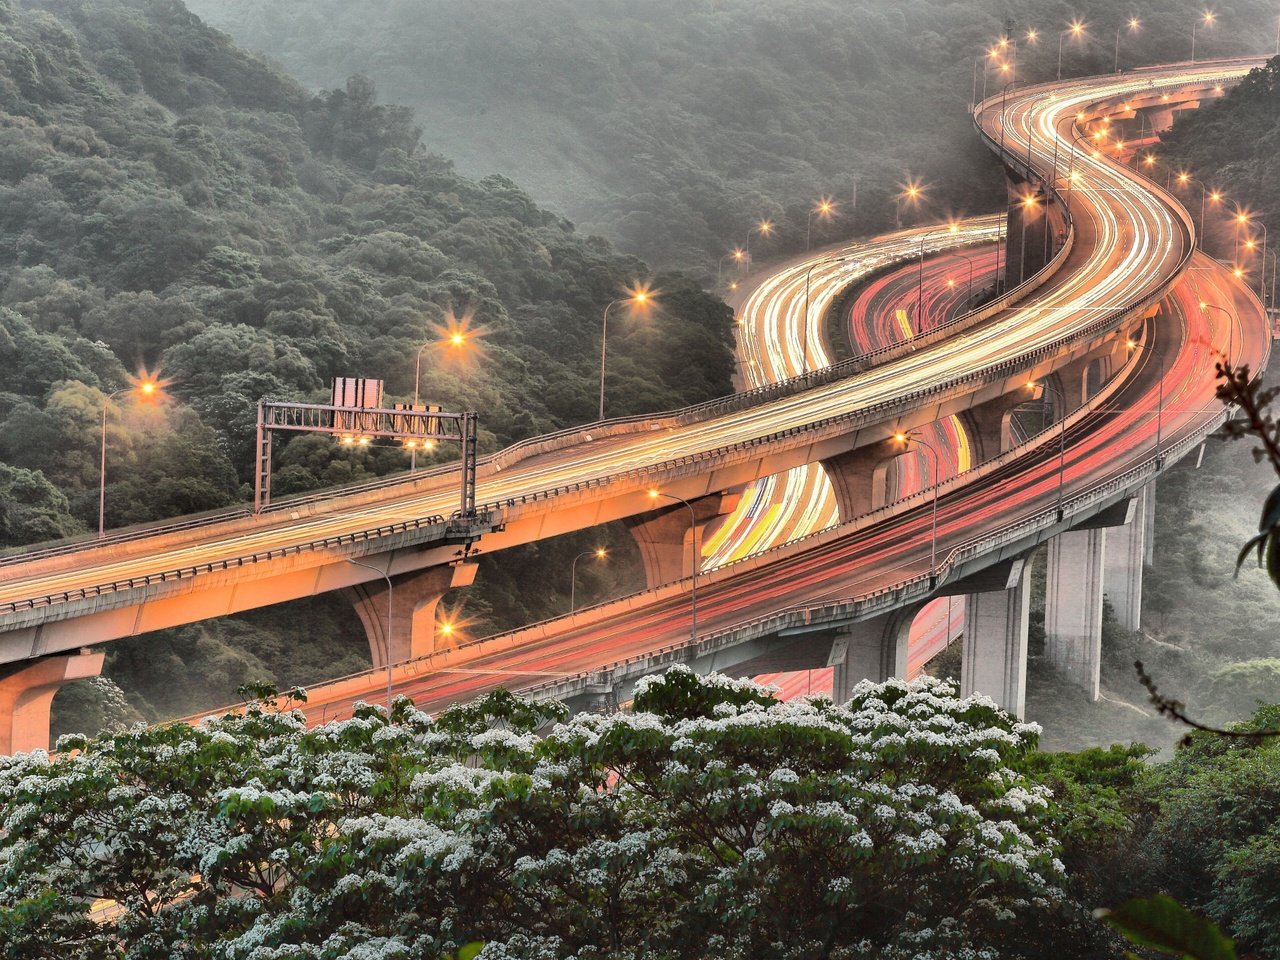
x=1073, y=607
x=27, y=692
x=995, y=642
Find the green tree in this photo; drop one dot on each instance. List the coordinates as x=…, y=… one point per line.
x=709, y=820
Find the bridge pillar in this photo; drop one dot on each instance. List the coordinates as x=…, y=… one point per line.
x=414, y=598
x=861, y=477
x=1033, y=232
x=1073, y=607
x=1149, y=523
x=1125, y=555
x=990, y=424
x=27, y=692
x=872, y=650
x=665, y=535
x=995, y=642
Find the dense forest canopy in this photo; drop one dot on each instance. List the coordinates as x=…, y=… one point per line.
x=674, y=125
x=172, y=203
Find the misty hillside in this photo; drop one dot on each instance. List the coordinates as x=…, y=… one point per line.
x=672, y=125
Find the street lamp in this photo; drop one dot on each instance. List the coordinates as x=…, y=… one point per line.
x=968, y=260
x=906, y=439
x=599, y=553
x=737, y=253
x=764, y=228
x=1075, y=31
x=804, y=323
x=1028, y=204
x=693, y=586
x=457, y=338
x=952, y=228
x=1134, y=25
x=1062, y=433
x=823, y=209
x=911, y=191
x=1231, y=327
x=640, y=297
x=147, y=388
x=1185, y=179
x=390, y=609
x=1207, y=19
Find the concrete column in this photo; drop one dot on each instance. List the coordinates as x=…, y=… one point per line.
x=995, y=643
x=861, y=477
x=665, y=535
x=1073, y=606
x=1026, y=255
x=871, y=650
x=1149, y=523
x=27, y=691
x=989, y=423
x=414, y=598
x=1125, y=556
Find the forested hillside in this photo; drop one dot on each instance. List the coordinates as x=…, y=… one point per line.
x=173, y=203
x=674, y=125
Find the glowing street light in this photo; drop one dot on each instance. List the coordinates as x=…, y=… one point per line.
x=640, y=297
x=906, y=439
x=738, y=255
x=599, y=553
x=693, y=584
x=911, y=191
x=1205, y=307
x=764, y=228
x=825, y=209
x=1215, y=196
x=1134, y=25
x=1075, y=31
x=1208, y=18
x=147, y=388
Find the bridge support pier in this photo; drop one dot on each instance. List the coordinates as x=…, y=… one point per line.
x=873, y=650
x=414, y=598
x=995, y=641
x=1073, y=607
x=1125, y=556
x=860, y=477
x=665, y=535
x=27, y=693
x=989, y=424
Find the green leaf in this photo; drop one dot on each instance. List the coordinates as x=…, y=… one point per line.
x=1163, y=924
x=470, y=951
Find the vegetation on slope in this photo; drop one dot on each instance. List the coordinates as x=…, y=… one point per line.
x=174, y=203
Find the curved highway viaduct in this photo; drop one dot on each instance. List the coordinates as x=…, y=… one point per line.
x=1125, y=245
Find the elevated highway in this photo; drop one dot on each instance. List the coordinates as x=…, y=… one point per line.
x=1125, y=245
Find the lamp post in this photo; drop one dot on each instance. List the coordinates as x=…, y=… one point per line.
x=147, y=388
x=1134, y=24
x=1231, y=327
x=764, y=228
x=693, y=586
x=823, y=209
x=599, y=553
x=911, y=192
x=969, y=290
x=952, y=228
x=737, y=253
x=640, y=297
x=390, y=609
x=906, y=439
x=1075, y=30
x=804, y=323
x=1207, y=19
x=1185, y=179
x=1062, y=435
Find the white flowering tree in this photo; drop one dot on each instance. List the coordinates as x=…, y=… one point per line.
x=709, y=820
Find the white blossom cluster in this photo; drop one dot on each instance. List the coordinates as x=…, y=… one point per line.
x=718, y=821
